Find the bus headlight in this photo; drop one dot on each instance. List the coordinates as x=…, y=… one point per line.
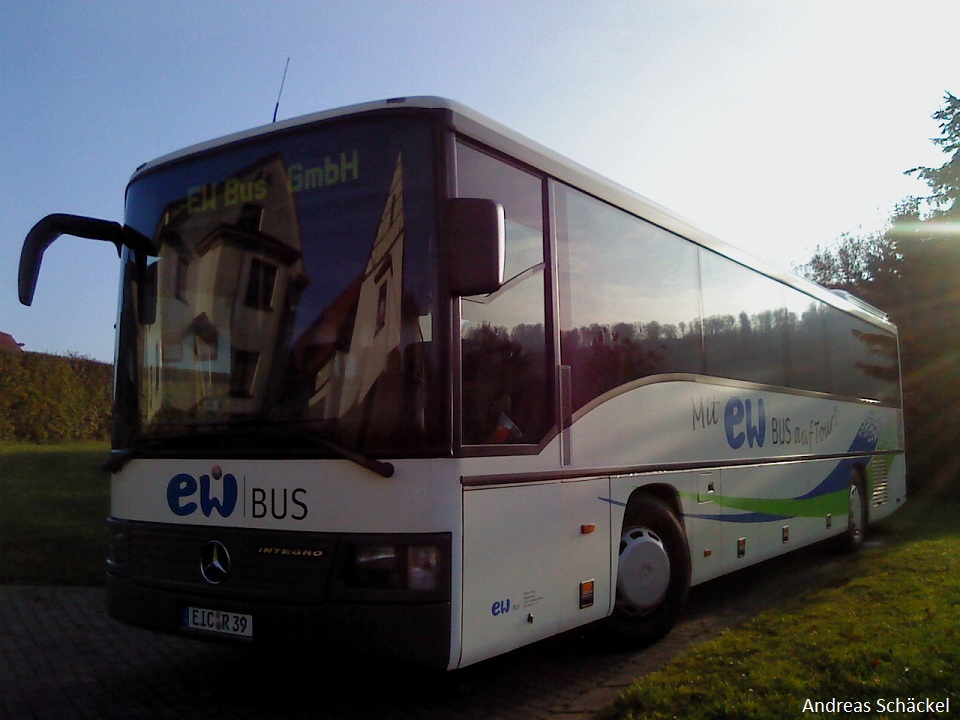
x=423, y=568
x=374, y=566
x=394, y=571
x=375, y=558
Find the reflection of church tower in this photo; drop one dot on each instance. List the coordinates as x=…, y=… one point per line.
x=345, y=379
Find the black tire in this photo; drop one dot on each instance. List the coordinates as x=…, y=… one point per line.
x=852, y=540
x=653, y=575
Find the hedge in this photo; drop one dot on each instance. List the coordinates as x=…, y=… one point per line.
x=49, y=398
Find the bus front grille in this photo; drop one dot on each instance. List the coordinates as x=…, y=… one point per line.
x=258, y=564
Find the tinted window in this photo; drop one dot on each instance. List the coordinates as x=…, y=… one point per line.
x=629, y=301
x=744, y=322
x=808, y=349
x=863, y=359
x=757, y=330
x=506, y=386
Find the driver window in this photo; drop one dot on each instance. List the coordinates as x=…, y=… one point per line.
x=505, y=389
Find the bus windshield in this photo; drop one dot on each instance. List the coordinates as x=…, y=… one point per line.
x=295, y=289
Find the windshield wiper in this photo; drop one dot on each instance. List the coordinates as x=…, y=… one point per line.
x=119, y=458
x=385, y=469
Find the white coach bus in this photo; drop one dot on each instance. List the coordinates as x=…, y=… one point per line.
x=394, y=380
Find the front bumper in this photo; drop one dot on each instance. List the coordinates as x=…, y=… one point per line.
x=415, y=634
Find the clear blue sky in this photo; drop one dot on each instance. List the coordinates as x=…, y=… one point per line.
x=776, y=126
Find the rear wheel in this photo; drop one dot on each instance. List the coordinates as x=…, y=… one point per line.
x=853, y=539
x=653, y=573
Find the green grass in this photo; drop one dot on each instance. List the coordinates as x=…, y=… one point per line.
x=889, y=629
x=54, y=501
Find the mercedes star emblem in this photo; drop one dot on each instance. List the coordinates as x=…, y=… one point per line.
x=214, y=562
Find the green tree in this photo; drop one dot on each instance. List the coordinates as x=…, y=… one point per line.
x=928, y=306
x=944, y=181
x=912, y=271
x=852, y=263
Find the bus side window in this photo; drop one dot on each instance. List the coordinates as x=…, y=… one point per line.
x=629, y=298
x=505, y=388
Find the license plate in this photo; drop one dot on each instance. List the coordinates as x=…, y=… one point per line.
x=218, y=621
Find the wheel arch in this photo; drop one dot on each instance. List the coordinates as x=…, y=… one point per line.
x=662, y=491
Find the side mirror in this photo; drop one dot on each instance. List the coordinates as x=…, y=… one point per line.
x=476, y=231
x=45, y=232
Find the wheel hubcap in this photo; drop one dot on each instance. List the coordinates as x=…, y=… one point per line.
x=644, y=571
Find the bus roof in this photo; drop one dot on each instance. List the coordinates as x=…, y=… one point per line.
x=500, y=137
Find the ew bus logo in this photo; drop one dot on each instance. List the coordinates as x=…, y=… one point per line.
x=182, y=493
x=738, y=422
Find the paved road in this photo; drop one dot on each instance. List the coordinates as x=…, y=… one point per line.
x=62, y=658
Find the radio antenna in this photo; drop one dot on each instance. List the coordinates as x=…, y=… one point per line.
x=277, y=106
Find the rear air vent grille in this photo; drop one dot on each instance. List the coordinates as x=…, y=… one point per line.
x=878, y=468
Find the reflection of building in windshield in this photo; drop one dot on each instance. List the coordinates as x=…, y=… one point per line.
x=229, y=275
x=355, y=342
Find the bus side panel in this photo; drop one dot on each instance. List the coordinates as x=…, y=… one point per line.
x=761, y=511
x=510, y=596
x=536, y=560
x=737, y=516
x=772, y=509
x=584, y=553
x=705, y=537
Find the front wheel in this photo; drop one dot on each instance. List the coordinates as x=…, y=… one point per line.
x=653, y=573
